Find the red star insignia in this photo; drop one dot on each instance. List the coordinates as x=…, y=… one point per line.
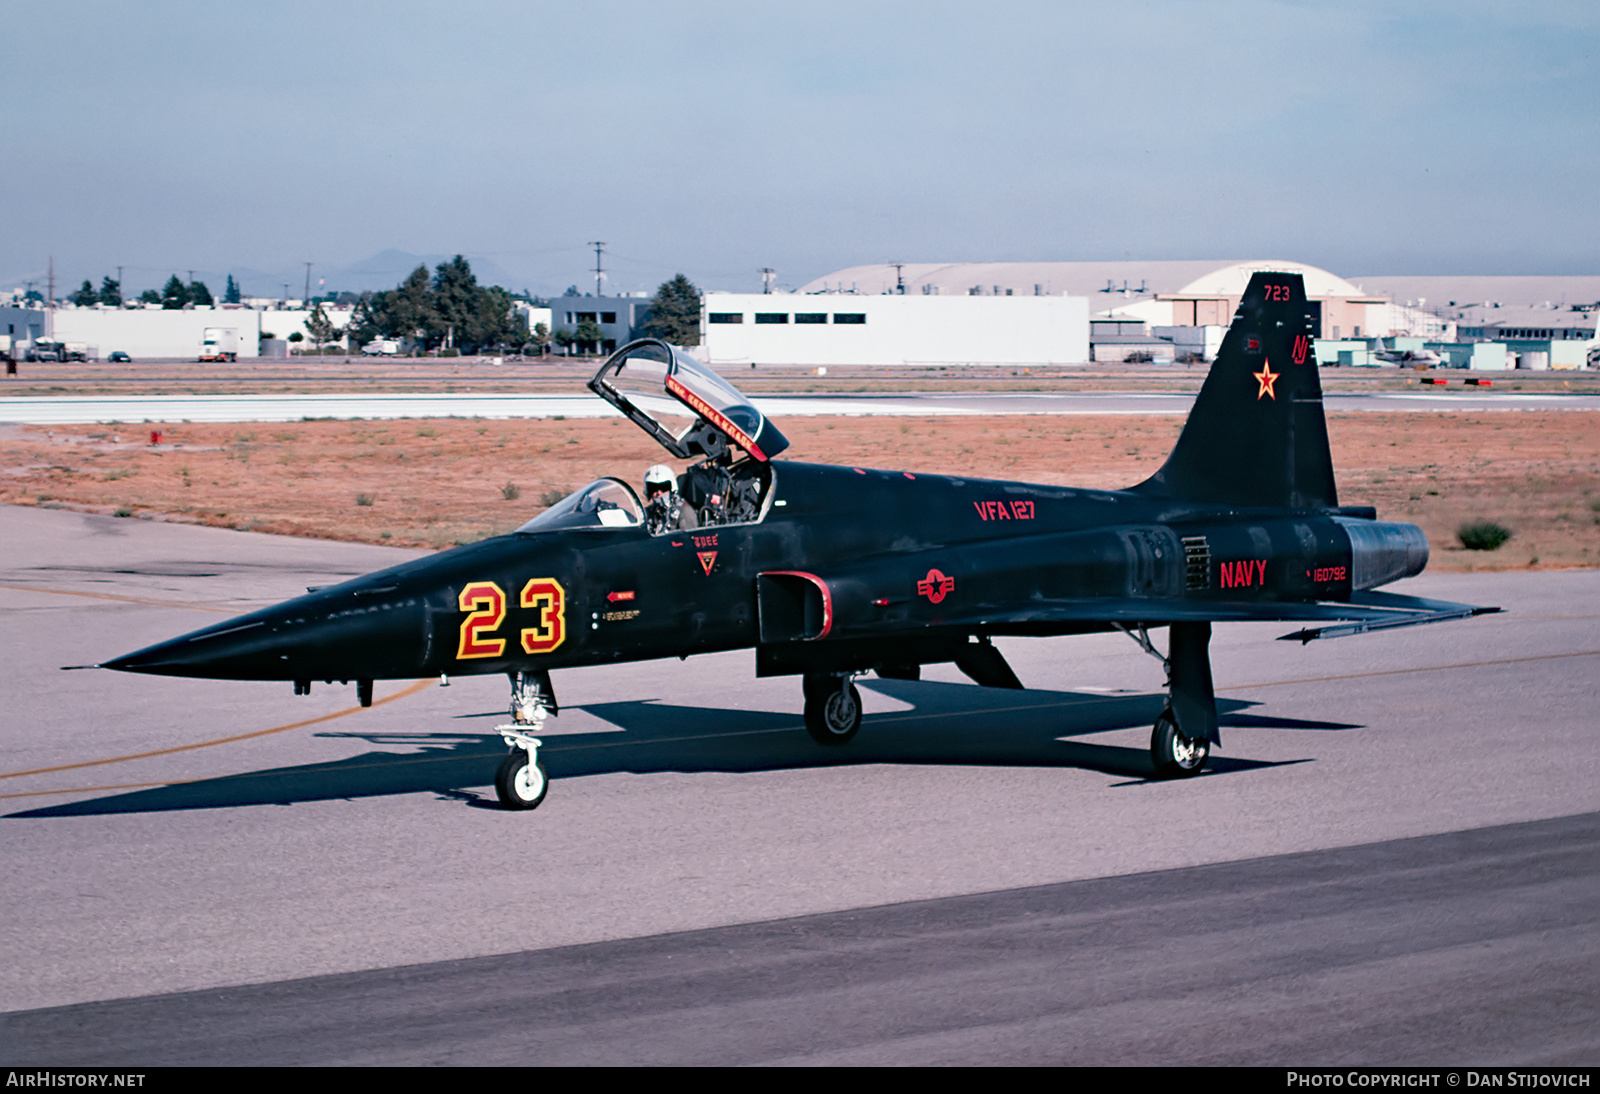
x=1265, y=378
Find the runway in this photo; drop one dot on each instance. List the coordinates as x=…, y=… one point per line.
x=66, y=409
x=1391, y=860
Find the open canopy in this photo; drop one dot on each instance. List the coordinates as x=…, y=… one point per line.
x=683, y=404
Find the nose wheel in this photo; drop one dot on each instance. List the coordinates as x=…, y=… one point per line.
x=833, y=708
x=520, y=782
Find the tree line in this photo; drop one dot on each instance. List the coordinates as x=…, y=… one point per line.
x=448, y=309
x=445, y=309
x=173, y=297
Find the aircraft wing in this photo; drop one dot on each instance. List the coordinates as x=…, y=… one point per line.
x=1370, y=611
x=803, y=606
x=1366, y=611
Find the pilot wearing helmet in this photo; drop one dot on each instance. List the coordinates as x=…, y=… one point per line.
x=664, y=508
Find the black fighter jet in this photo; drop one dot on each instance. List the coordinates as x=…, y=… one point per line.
x=829, y=572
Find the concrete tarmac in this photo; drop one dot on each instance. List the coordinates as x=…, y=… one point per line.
x=164, y=836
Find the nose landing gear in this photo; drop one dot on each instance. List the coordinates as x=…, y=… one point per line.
x=521, y=782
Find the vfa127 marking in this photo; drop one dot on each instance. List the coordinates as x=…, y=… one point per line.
x=485, y=605
x=1004, y=510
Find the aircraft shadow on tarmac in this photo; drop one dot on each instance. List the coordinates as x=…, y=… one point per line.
x=955, y=724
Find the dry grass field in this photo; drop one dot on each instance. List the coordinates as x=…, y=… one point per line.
x=436, y=483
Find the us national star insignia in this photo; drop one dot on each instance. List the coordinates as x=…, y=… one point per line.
x=1265, y=378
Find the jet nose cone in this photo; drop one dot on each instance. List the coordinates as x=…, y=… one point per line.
x=328, y=635
x=220, y=651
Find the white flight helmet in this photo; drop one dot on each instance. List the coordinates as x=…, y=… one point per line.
x=660, y=475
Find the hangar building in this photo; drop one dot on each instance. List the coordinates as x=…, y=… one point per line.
x=844, y=329
x=1161, y=294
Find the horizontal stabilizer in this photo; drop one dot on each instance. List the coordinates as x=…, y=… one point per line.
x=1062, y=616
x=1399, y=611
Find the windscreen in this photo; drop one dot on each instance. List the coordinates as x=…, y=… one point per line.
x=604, y=503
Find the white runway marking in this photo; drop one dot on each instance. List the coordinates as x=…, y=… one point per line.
x=72, y=409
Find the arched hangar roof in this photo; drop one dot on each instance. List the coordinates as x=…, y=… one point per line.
x=1125, y=278
x=1231, y=280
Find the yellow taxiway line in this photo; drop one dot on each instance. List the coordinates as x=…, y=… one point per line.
x=410, y=689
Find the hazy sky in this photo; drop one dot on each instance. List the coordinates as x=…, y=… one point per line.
x=1461, y=136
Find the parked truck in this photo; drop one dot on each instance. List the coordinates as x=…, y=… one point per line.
x=45, y=350
x=219, y=344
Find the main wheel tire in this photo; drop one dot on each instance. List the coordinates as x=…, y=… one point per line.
x=833, y=714
x=519, y=784
x=1174, y=755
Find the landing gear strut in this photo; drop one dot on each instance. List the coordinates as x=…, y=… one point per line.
x=1180, y=742
x=521, y=782
x=833, y=708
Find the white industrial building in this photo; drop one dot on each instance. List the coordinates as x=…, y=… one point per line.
x=154, y=332
x=845, y=329
x=145, y=332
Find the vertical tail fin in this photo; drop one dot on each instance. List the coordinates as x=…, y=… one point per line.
x=1256, y=435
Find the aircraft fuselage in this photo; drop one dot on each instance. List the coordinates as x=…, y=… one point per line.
x=905, y=565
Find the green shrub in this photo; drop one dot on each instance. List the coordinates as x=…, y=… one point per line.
x=1482, y=535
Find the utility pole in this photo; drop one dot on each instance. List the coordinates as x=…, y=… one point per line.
x=308, y=284
x=768, y=275
x=899, y=281
x=599, y=247
x=120, y=291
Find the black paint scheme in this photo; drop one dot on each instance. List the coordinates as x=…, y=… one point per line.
x=836, y=570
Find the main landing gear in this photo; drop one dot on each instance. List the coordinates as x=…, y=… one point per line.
x=1180, y=742
x=1174, y=755
x=521, y=782
x=833, y=708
